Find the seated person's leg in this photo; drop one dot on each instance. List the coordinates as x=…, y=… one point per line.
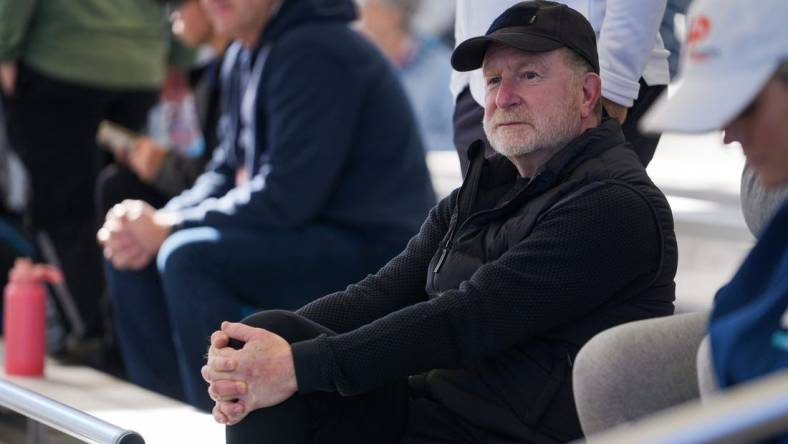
x=211, y=276
x=143, y=329
x=637, y=368
x=430, y=422
x=378, y=416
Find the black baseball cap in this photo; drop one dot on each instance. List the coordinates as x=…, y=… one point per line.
x=533, y=26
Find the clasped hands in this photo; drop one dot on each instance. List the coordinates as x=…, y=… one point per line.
x=259, y=375
x=133, y=232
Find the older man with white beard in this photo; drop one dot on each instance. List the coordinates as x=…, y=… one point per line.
x=470, y=333
x=534, y=123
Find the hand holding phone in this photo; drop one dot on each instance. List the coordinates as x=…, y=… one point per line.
x=116, y=138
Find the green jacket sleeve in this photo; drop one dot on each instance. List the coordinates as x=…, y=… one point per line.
x=15, y=17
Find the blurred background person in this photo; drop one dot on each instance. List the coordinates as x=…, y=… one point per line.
x=156, y=173
x=64, y=67
x=13, y=185
x=320, y=179
x=421, y=60
x=672, y=30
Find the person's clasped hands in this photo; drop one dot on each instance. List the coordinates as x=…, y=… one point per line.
x=132, y=233
x=258, y=375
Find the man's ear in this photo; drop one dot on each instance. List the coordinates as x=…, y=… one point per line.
x=592, y=94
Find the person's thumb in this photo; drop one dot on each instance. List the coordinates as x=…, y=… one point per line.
x=241, y=332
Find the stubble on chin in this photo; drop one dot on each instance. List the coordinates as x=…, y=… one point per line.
x=534, y=134
x=509, y=140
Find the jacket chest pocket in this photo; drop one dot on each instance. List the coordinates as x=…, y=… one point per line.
x=462, y=255
x=456, y=266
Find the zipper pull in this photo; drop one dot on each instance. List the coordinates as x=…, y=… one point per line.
x=438, y=266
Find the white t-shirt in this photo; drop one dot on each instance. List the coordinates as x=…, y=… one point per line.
x=627, y=34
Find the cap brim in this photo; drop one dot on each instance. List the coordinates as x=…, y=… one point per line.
x=704, y=102
x=469, y=54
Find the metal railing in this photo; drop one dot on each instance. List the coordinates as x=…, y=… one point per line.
x=66, y=419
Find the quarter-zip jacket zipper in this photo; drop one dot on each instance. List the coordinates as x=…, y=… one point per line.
x=460, y=224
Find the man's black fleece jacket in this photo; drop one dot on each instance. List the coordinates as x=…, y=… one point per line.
x=600, y=251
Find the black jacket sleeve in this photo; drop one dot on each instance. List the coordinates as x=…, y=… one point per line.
x=579, y=255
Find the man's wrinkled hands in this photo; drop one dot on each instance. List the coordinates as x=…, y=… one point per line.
x=132, y=234
x=259, y=375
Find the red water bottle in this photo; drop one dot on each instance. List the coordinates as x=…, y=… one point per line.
x=24, y=325
x=24, y=317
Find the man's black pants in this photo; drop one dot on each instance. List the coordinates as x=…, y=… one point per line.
x=53, y=124
x=390, y=414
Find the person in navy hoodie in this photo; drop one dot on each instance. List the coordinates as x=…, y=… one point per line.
x=319, y=180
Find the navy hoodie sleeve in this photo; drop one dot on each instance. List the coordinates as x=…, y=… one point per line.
x=310, y=105
x=218, y=179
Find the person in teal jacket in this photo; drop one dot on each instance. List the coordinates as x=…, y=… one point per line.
x=64, y=67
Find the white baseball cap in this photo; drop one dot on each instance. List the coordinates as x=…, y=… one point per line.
x=733, y=47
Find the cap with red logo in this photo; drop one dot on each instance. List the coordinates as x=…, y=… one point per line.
x=733, y=47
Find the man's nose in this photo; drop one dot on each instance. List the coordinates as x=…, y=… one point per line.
x=507, y=96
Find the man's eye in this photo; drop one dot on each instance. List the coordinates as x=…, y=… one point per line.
x=529, y=75
x=492, y=81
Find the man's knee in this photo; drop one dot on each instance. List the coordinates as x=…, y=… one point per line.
x=184, y=250
x=287, y=324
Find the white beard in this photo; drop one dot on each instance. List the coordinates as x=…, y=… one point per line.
x=550, y=129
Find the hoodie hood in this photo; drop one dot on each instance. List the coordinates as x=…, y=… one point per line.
x=293, y=13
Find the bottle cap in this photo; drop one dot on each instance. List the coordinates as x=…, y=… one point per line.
x=24, y=271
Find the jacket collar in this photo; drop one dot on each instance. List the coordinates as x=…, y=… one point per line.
x=497, y=169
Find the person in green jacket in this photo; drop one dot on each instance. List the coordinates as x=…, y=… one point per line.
x=64, y=67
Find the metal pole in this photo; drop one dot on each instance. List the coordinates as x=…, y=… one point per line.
x=64, y=418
